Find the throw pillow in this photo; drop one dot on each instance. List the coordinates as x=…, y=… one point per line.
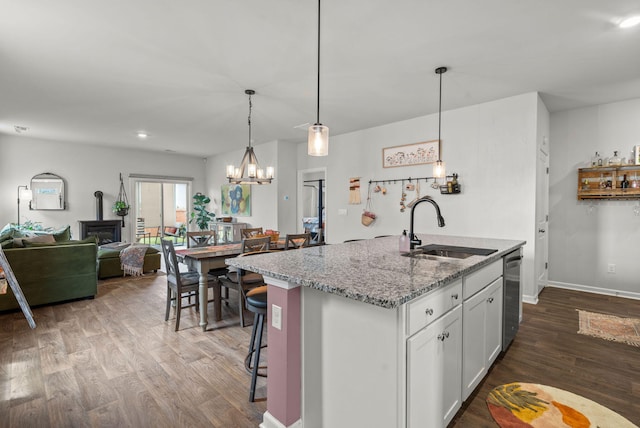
x=10, y=233
x=62, y=235
x=44, y=239
x=6, y=244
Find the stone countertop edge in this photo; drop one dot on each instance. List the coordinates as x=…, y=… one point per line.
x=373, y=271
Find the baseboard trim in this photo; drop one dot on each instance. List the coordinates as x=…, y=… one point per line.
x=532, y=300
x=595, y=290
x=269, y=421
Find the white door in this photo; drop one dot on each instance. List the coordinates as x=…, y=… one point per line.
x=312, y=199
x=542, y=216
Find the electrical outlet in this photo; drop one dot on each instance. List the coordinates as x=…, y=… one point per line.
x=276, y=317
x=611, y=268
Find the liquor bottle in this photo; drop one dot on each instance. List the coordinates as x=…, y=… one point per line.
x=625, y=182
x=596, y=160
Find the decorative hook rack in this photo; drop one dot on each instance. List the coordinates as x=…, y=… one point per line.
x=445, y=189
x=409, y=179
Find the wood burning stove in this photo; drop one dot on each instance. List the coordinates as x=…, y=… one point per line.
x=107, y=231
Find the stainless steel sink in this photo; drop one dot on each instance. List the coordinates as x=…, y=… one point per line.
x=448, y=251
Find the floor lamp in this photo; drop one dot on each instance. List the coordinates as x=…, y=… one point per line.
x=26, y=194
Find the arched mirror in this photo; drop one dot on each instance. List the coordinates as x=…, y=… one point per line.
x=47, y=192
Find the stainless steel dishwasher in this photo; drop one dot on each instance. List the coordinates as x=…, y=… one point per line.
x=511, y=297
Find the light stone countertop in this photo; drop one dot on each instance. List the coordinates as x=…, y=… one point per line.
x=372, y=270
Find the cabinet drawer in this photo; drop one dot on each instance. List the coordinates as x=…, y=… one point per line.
x=429, y=308
x=479, y=279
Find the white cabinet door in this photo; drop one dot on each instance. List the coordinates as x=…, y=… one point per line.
x=482, y=334
x=474, y=363
x=494, y=321
x=434, y=372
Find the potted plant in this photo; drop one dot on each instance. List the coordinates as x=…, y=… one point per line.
x=200, y=216
x=121, y=208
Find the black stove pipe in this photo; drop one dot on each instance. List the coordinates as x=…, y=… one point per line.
x=98, y=194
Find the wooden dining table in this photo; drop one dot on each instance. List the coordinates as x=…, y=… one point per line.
x=203, y=259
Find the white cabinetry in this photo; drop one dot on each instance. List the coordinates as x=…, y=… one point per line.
x=482, y=325
x=228, y=232
x=434, y=372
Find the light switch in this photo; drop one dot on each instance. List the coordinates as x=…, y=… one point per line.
x=276, y=316
x=342, y=211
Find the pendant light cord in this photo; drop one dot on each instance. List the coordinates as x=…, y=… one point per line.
x=318, y=97
x=249, y=119
x=439, y=113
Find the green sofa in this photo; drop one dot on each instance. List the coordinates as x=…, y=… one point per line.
x=109, y=262
x=50, y=273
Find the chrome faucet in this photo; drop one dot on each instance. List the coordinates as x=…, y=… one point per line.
x=413, y=239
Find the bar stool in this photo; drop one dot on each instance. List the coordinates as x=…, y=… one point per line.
x=256, y=303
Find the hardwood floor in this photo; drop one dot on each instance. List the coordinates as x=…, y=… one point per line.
x=114, y=361
x=548, y=350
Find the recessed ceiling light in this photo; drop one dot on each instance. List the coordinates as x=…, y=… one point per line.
x=142, y=135
x=629, y=22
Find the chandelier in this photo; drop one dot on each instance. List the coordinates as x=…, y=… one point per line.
x=249, y=171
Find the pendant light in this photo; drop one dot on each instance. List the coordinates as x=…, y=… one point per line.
x=249, y=171
x=439, y=167
x=318, y=142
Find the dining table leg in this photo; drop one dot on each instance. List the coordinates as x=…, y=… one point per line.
x=203, y=296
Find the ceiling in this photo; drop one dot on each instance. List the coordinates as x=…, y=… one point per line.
x=96, y=72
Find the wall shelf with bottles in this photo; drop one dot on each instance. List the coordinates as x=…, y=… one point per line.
x=609, y=182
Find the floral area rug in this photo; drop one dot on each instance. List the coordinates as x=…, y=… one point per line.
x=610, y=327
x=529, y=405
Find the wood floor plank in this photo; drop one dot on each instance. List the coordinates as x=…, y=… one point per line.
x=26, y=376
x=94, y=385
x=64, y=403
x=53, y=354
x=32, y=413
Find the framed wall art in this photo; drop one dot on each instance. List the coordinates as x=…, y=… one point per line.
x=411, y=154
x=236, y=200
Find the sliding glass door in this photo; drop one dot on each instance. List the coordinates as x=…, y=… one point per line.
x=161, y=208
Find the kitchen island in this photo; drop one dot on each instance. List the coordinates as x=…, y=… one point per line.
x=360, y=335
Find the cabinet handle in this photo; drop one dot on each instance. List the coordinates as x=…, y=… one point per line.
x=490, y=300
x=429, y=311
x=442, y=336
x=454, y=296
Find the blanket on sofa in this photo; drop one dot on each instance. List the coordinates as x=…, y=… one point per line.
x=132, y=259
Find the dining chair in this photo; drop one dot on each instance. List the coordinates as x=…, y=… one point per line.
x=255, y=244
x=250, y=232
x=181, y=284
x=242, y=281
x=203, y=238
x=297, y=240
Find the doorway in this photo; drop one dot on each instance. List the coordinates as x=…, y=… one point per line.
x=161, y=208
x=312, y=203
x=542, y=217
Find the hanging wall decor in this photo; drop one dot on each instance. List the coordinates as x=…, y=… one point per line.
x=411, y=154
x=235, y=200
x=354, y=191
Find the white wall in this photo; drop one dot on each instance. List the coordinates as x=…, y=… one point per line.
x=587, y=236
x=492, y=146
x=85, y=169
